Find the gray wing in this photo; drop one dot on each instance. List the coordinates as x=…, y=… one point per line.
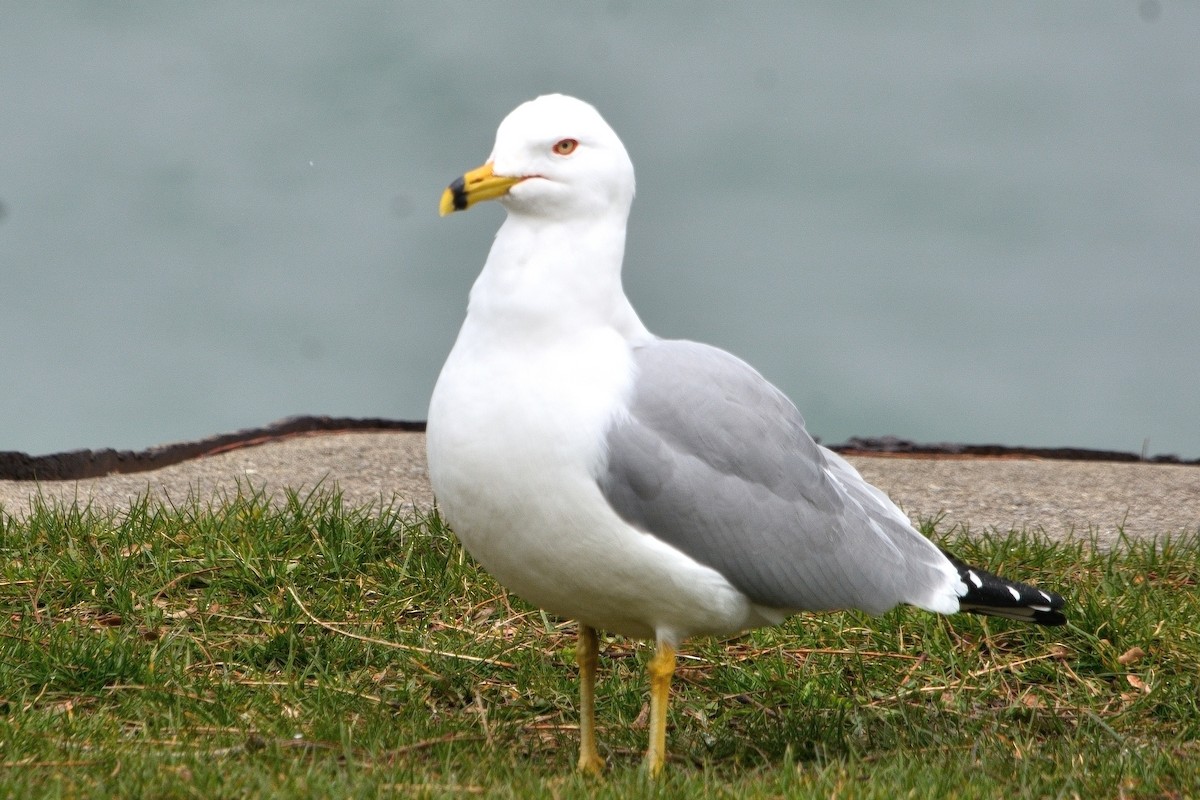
x=714, y=460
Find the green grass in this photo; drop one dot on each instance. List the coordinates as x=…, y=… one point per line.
x=233, y=648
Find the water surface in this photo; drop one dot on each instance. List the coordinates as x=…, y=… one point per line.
x=946, y=221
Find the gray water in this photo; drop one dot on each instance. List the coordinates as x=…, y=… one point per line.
x=974, y=222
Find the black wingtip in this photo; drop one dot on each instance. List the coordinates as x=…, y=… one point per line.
x=999, y=597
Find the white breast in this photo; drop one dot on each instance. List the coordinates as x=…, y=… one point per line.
x=515, y=440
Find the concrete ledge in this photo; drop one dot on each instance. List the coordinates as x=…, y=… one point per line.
x=1060, y=498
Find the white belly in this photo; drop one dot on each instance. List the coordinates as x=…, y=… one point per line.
x=515, y=440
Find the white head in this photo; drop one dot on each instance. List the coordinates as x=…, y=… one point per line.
x=554, y=157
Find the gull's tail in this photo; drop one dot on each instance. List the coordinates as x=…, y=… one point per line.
x=990, y=594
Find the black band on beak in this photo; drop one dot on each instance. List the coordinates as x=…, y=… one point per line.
x=459, y=189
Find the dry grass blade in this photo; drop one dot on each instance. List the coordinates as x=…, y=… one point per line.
x=394, y=645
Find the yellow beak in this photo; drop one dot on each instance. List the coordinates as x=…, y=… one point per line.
x=477, y=185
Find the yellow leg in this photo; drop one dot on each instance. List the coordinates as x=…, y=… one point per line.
x=661, y=668
x=586, y=652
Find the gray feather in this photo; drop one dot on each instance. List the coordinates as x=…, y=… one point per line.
x=714, y=460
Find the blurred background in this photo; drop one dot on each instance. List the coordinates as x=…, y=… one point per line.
x=965, y=222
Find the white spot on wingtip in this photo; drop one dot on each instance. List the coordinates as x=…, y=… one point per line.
x=1049, y=599
x=1016, y=595
x=975, y=579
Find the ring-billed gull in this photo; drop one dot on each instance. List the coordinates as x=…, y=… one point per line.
x=654, y=488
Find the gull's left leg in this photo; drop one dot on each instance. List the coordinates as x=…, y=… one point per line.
x=586, y=653
x=661, y=669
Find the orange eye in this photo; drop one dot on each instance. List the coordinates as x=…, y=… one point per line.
x=564, y=147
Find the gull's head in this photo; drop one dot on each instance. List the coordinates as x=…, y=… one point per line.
x=554, y=157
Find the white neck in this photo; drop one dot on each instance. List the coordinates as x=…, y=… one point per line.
x=550, y=278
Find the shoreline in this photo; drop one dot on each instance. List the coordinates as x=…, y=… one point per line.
x=1059, y=498
x=82, y=464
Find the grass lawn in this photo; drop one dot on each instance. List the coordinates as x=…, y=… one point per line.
x=231, y=648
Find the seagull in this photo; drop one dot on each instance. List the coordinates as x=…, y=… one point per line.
x=655, y=488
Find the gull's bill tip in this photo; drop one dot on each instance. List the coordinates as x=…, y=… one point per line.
x=481, y=183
